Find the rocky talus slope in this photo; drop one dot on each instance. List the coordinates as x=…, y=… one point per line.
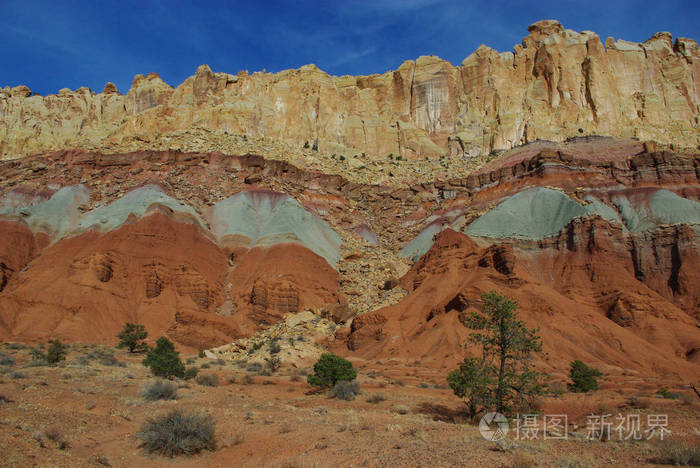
x=557, y=84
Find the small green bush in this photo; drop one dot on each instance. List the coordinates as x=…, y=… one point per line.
x=57, y=352
x=190, y=373
x=132, y=336
x=208, y=380
x=583, y=378
x=329, y=369
x=163, y=360
x=38, y=359
x=6, y=360
x=345, y=390
x=667, y=394
x=159, y=390
x=178, y=433
x=254, y=367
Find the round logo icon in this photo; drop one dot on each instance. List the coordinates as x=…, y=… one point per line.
x=493, y=426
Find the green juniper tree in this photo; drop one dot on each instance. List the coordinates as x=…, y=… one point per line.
x=329, y=369
x=583, y=378
x=163, y=360
x=57, y=352
x=132, y=337
x=503, y=377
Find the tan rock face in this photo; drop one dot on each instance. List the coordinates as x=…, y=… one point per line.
x=558, y=83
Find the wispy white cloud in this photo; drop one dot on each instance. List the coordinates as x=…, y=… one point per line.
x=353, y=56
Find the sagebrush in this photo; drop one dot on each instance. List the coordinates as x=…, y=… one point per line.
x=178, y=433
x=345, y=390
x=159, y=390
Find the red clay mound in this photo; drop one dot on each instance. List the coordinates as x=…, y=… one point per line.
x=158, y=272
x=573, y=299
x=268, y=282
x=85, y=288
x=18, y=245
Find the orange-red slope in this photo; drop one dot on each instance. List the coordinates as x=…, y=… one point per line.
x=268, y=282
x=571, y=308
x=18, y=245
x=155, y=271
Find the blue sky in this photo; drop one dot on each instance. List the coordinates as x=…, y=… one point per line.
x=49, y=45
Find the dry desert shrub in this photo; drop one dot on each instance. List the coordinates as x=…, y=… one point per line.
x=178, y=433
x=345, y=390
x=208, y=380
x=637, y=403
x=376, y=398
x=677, y=453
x=104, y=356
x=159, y=390
x=688, y=399
x=54, y=435
x=99, y=460
x=522, y=460
x=574, y=462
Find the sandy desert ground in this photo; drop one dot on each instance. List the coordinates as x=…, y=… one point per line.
x=86, y=412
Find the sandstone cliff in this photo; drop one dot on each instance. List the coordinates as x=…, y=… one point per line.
x=558, y=83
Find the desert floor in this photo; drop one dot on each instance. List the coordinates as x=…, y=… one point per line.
x=86, y=412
